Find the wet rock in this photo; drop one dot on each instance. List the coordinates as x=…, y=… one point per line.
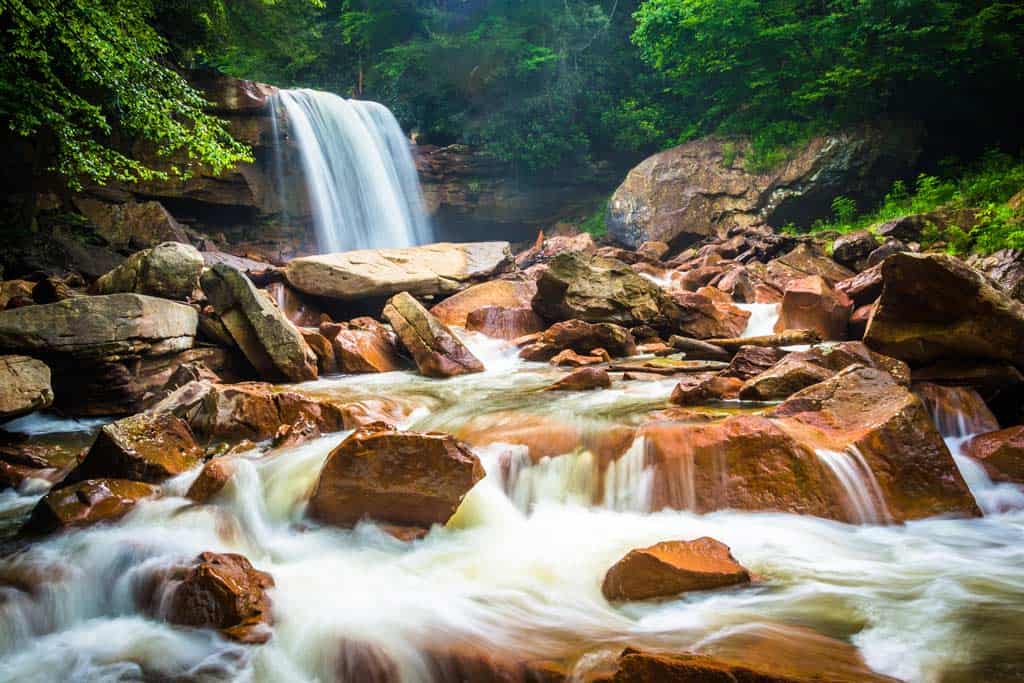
x=546, y=249
x=810, y=304
x=295, y=307
x=933, y=307
x=93, y=328
x=429, y=270
x=1002, y=453
x=853, y=249
x=272, y=344
x=169, y=270
x=402, y=478
x=581, y=337
x=583, y=379
x=433, y=346
x=144, y=447
x=956, y=409
x=702, y=388
x=653, y=250
x=737, y=283
x=883, y=252
x=504, y=323
x=219, y=591
x=511, y=294
x=1006, y=268
x=751, y=361
x=859, y=321
x=212, y=479
x=132, y=225
x=24, y=386
x=863, y=288
x=466, y=661
x=570, y=359
x=326, y=358
x=673, y=567
x=14, y=292
x=802, y=262
x=87, y=503
x=708, y=314
x=53, y=289
x=370, y=348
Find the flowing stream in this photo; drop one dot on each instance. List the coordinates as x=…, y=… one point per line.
x=518, y=569
x=363, y=187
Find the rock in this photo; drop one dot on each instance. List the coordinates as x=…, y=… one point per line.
x=687, y=192
x=455, y=310
x=51, y=290
x=220, y=591
x=504, y=323
x=544, y=250
x=581, y=337
x=571, y=359
x=853, y=249
x=933, y=306
x=368, y=349
x=858, y=324
x=423, y=271
x=885, y=251
x=810, y=304
x=326, y=358
x=802, y=262
x=706, y=315
x=1004, y=267
x=132, y=225
x=169, y=270
x=94, y=328
x=583, y=379
x=1002, y=453
x=673, y=567
x=863, y=288
x=14, y=292
x=24, y=386
x=737, y=283
x=145, y=447
x=434, y=347
x=272, y=344
x=702, y=388
x=87, y=503
x=296, y=307
x=595, y=289
x=905, y=228
x=956, y=410
x=250, y=410
x=785, y=338
x=751, y=361
x=295, y=434
x=212, y=479
x=402, y=478
x=668, y=366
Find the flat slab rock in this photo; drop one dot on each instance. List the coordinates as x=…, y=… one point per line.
x=429, y=270
x=673, y=567
x=24, y=386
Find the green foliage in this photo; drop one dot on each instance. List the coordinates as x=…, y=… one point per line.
x=844, y=209
x=80, y=76
x=595, y=224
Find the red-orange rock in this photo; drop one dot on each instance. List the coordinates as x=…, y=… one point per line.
x=1002, y=453
x=702, y=387
x=811, y=304
x=583, y=379
x=402, y=478
x=366, y=350
x=434, y=347
x=510, y=294
x=571, y=359
x=86, y=503
x=212, y=479
x=673, y=567
x=751, y=361
x=326, y=359
x=708, y=314
x=503, y=322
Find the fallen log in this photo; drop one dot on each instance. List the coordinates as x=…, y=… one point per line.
x=785, y=338
x=697, y=349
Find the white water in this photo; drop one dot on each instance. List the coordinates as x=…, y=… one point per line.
x=862, y=500
x=762, y=319
x=363, y=188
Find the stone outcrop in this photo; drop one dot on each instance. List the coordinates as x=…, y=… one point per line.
x=131, y=224
x=270, y=341
x=811, y=304
x=700, y=188
x=431, y=270
x=24, y=386
x=934, y=307
x=87, y=503
x=673, y=567
x=434, y=347
x=169, y=270
x=401, y=478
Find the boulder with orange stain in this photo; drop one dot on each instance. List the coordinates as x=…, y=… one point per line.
x=87, y=503
x=673, y=567
x=509, y=294
x=501, y=322
x=366, y=348
x=433, y=346
x=811, y=304
x=1002, y=453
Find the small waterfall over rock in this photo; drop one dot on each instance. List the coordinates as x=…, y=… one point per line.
x=362, y=183
x=862, y=499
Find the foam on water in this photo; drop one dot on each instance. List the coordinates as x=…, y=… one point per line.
x=762, y=319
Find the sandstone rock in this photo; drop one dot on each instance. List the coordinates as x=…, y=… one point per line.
x=863, y=288
x=513, y=294
x=687, y=192
x=145, y=447
x=1002, y=453
x=802, y=262
x=435, y=348
x=51, y=290
x=751, y=361
x=956, y=410
x=401, y=478
x=706, y=315
x=737, y=283
x=221, y=591
x=24, y=386
x=883, y=252
x=570, y=359
x=87, y=503
x=859, y=321
x=132, y=225
x=673, y=567
x=504, y=323
x=326, y=358
x=370, y=349
x=702, y=388
x=212, y=479
x=93, y=328
x=853, y=249
x=581, y=337
x=1004, y=267
x=14, y=292
x=810, y=304
x=933, y=306
x=295, y=307
x=169, y=270
x=268, y=339
x=544, y=250
x=423, y=271
x=583, y=379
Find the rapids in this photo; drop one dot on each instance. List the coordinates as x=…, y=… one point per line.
x=518, y=568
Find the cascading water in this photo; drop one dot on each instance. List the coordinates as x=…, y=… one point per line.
x=362, y=183
x=862, y=498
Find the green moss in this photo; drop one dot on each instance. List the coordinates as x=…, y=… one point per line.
x=595, y=225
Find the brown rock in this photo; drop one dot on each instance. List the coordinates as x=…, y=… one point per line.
x=859, y=321
x=810, y=304
x=513, y=294
x=87, y=503
x=706, y=314
x=132, y=225
x=853, y=249
x=433, y=346
x=586, y=337
x=212, y=479
x=751, y=361
x=545, y=250
x=169, y=270
x=296, y=307
x=1002, y=453
x=583, y=379
x=366, y=349
x=673, y=567
x=24, y=386
x=957, y=411
x=326, y=359
x=704, y=387
x=571, y=359
x=504, y=323
x=805, y=261
x=15, y=291
x=401, y=478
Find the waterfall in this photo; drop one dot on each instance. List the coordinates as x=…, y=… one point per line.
x=363, y=188
x=862, y=497
x=762, y=319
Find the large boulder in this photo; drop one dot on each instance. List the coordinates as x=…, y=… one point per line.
x=934, y=306
x=145, y=447
x=94, y=328
x=131, y=225
x=401, y=478
x=805, y=260
x=269, y=340
x=431, y=270
x=811, y=304
x=504, y=323
x=581, y=337
x=708, y=313
x=364, y=345
x=87, y=503
x=673, y=567
x=24, y=386
x=169, y=270
x=701, y=188
x=455, y=310
x=434, y=347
